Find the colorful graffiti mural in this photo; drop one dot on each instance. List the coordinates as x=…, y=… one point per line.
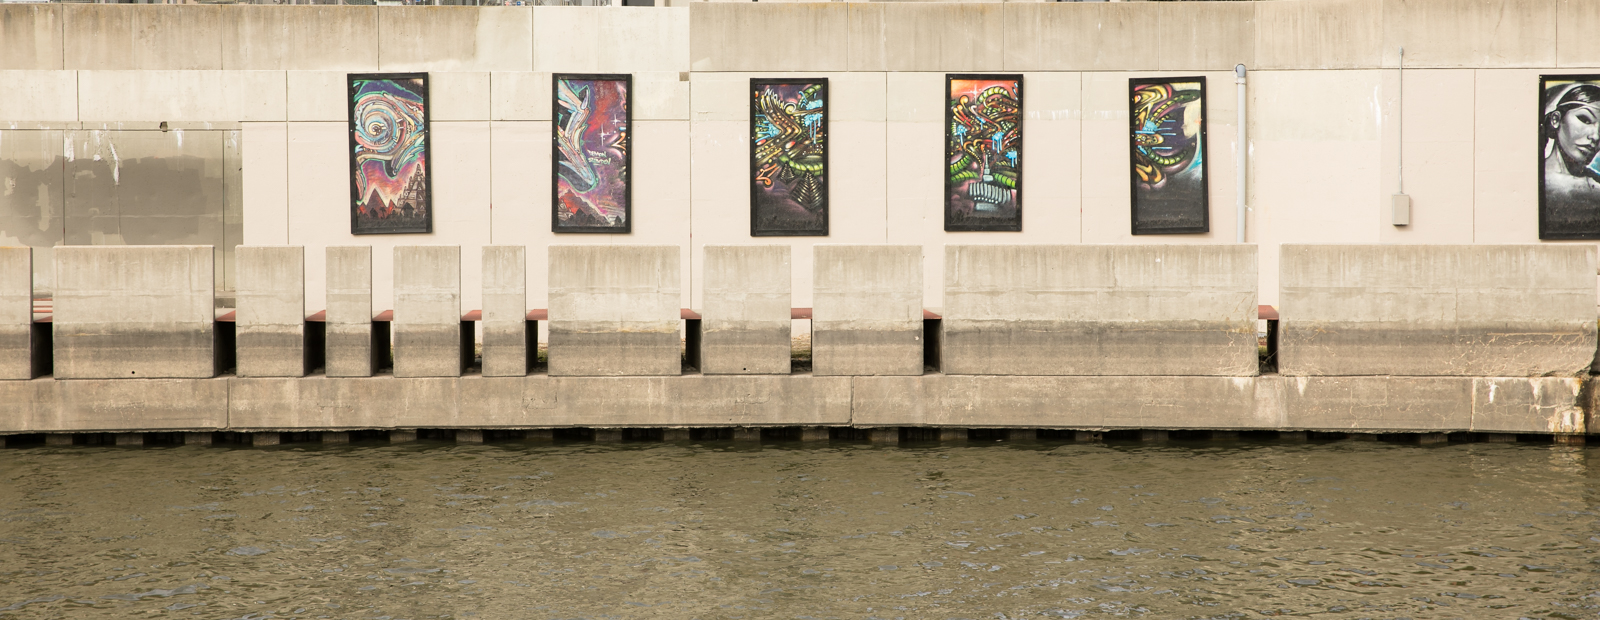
x=983, y=152
x=592, y=188
x=789, y=157
x=390, y=191
x=1569, y=169
x=1167, y=143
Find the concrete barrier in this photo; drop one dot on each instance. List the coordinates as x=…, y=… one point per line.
x=16, y=313
x=1455, y=310
x=867, y=314
x=614, y=310
x=745, y=318
x=1099, y=310
x=506, y=338
x=427, y=311
x=134, y=312
x=271, y=311
x=349, y=319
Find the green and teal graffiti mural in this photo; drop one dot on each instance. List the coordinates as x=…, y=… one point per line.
x=983, y=152
x=1168, y=146
x=789, y=157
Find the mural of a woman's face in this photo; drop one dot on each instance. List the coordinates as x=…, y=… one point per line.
x=1578, y=133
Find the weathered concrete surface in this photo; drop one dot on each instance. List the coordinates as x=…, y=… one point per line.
x=907, y=36
x=270, y=320
x=614, y=310
x=1100, y=310
x=768, y=37
x=1057, y=402
x=427, y=311
x=16, y=313
x=538, y=401
x=745, y=326
x=47, y=405
x=867, y=310
x=1370, y=404
x=134, y=312
x=1528, y=405
x=505, y=311
x=349, y=318
x=1425, y=310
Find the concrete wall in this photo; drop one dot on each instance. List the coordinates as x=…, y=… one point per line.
x=614, y=310
x=867, y=318
x=270, y=322
x=127, y=312
x=1100, y=310
x=1324, y=88
x=745, y=319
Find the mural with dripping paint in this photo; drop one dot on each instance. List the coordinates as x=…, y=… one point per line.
x=983, y=152
x=1168, y=146
x=390, y=190
x=789, y=157
x=592, y=189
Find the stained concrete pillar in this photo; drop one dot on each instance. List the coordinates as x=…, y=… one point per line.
x=867, y=314
x=270, y=320
x=884, y=435
x=469, y=435
x=130, y=439
x=16, y=313
x=615, y=310
x=675, y=434
x=747, y=434
x=745, y=328
x=330, y=437
x=58, y=439
x=198, y=439
x=952, y=434
x=134, y=312
x=427, y=311
x=402, y=436
x=506, y=340
x=814, y=433
x=1099, y=310
x=265, y=439
x=349, y=316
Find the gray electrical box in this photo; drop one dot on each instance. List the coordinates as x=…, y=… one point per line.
x=1401, y=210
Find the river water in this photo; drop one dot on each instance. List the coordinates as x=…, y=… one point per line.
x=844, y=530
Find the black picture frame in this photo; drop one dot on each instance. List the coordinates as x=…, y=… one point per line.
x=951, y=222
x=556, y=158
x=1140, y=210
x=356, y=227
x=757, y=85
x=1552, y=226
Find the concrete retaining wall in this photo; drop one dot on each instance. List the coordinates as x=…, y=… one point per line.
x=1438, y=310
x=126, y=312
x=1099, y=310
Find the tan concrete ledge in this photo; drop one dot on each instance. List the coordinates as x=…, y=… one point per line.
x=1384, y=404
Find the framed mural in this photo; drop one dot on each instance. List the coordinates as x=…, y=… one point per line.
x=983, y=152
x=1569, y=173
x=1167, y=146
x=592, y=188
x=390, y=187
x=788, y=157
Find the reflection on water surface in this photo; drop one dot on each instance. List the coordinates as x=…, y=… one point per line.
x=713, y=530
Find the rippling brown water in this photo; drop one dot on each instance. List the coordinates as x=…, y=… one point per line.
x=713, y=530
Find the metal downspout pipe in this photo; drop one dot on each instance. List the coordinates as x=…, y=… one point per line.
x=1241, y=154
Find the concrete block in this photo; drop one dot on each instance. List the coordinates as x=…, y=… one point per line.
x=302, y=38
x=455, y=38
x=745, y=319
x=100, y=36
x=39, y=96
x=47, y=405
x=505, y=311
x=1448, y=33
x=693, y=400
x=626, y=41
x=1552, y=405
x=1205, y=37
x=134, y=312
x=614, y=310
x=926, y=37
x=867, y=310
x=1574, y=48
x=332, y=403
x=1071, y=36
x=1057, y=402
x=769, y=37
x=16, y=313
x=270, y=323
x=349, y=317
x=30, y=36
x=1371, y=404
x=1099, y=310
x=427, y=311
x=459, y=96
x=519, y=96
x=316, y=96
x=1327, y=34
x=1455, y=310
x=154, y=96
